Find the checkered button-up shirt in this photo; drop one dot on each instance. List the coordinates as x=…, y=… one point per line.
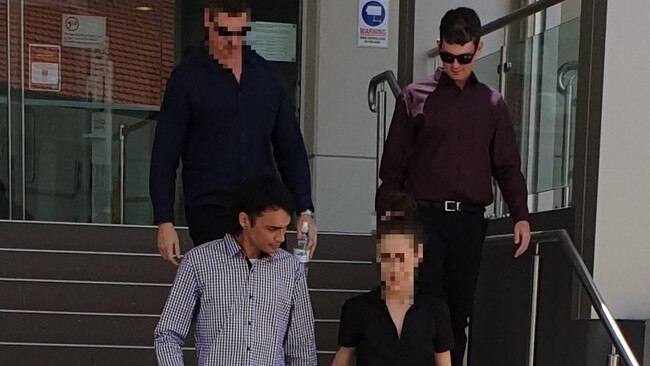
x=257, y=314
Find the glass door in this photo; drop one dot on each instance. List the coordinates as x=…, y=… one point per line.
x=79, y=77
x=80, y=88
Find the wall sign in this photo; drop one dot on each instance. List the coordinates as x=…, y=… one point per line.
x=373, y=23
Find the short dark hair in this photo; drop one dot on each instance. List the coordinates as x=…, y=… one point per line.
x=227, y=6
x=460, y=26
x=401, y=217
x=258, y=194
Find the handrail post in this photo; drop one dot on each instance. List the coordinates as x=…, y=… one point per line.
x=122, y=170
x=580, y=269
x=533, y=307
x=503, y=68
x=381, y=129
x=566, y=88
x=10, y=191
x=613, y=359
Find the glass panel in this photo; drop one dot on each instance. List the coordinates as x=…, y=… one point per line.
x=4, y=146
x=89, y=67
x=542, y=123
x=542, y=109
x=83, y=76
x=486, y=68
x=4, y=161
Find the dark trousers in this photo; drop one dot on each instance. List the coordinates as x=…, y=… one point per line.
x=208, y=222
x=452, y=256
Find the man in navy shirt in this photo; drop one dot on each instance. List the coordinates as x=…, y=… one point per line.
x=449, y=136
x=226, y=116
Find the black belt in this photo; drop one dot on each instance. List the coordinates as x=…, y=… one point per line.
x=452, y=206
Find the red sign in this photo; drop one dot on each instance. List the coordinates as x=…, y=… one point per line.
x=44, y=67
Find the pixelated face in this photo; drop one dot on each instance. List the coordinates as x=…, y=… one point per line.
x=267, y=232
x=459, y=69
x=398, y=256
x=226, y=31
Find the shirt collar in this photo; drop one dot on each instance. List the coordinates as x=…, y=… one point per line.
x=441, y=77
x=375, y=295
x=249, y=55
x=233, y=249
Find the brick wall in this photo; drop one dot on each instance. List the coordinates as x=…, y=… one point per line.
x=140, y=48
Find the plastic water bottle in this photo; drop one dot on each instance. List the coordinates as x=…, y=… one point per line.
x=300, y=250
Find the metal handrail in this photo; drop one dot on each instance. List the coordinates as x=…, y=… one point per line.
x=516, y=15
x=387, y=76
x=122, y=135
x=596, y=299
x=377, y=104
x=566, y=87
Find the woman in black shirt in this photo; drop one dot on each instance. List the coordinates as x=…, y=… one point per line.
x=393, y=325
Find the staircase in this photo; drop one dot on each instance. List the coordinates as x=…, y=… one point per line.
x=91, y=295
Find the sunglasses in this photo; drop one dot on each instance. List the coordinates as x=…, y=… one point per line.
x=463, y=59
x=225, y=32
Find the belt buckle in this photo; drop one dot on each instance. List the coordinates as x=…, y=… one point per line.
x=455, y=206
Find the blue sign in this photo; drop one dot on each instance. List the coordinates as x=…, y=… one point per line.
x=373, y=13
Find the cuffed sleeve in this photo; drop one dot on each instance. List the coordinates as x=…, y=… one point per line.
x=168, y=144
x=300, y=344
x=506, y=165
x=290, y=155
x=397, y=152
x=177, y=316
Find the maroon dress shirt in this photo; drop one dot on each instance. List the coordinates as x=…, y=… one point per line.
x=446, y=143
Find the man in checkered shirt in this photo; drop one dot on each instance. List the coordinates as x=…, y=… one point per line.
x=247, y=296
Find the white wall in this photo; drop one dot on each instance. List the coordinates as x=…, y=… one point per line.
x=622, y=253
x=344, y=128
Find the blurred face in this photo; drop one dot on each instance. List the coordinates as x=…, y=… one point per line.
x=458, y=60
x=398, y=256
x=267, y=232
x=226, y=32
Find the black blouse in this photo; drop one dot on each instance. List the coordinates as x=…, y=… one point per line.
x=366, y=324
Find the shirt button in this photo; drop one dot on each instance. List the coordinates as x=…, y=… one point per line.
x=248, y=348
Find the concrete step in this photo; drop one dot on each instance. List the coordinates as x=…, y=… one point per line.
x=82, y=356
x=142, y=269
x=71, y=297
x=78, y=329
x=142, y=239
x=85, y=329
x=88, y=356
x=327, y=336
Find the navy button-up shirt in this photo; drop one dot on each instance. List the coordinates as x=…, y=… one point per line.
x=446, y=143
x=224, y=131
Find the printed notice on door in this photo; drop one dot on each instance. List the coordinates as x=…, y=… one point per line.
x=82, y=31
x=45, y=67
x=273, y=41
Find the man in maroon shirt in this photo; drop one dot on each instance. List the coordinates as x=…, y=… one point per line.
x=449, y=136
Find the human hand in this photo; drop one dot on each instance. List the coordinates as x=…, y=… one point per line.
x=521, y=237
x=168, y=244
x=313, y=232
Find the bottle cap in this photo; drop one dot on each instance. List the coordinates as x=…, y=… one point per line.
x=304, y=228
